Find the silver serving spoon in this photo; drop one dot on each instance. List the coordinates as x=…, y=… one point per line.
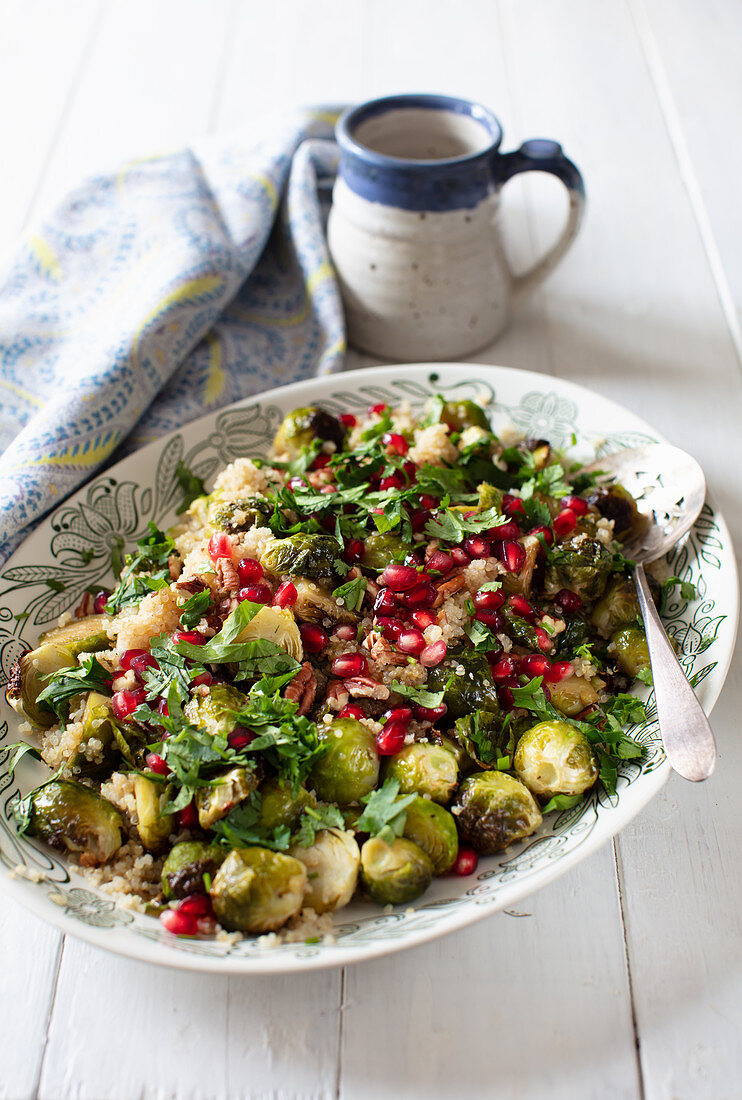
x=669, y=489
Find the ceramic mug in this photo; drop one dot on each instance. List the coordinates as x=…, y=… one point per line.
x=413, y=229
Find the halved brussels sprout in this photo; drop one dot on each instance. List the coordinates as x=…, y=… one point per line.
x=215, y=802
x=67, y=815
x=153, y=826
x=424, y=769
x=520, y=630
x=572, y=694
x=380, y=549
x=575, y=634
x=433, y=829
x=580, y=564
x=186, y=864
x=555, y=758
x=313, y=605
x=474, y=689
x=234, y=516
x=277, y=625
x=349, y=768
x=492, y=809
x=618, y=606
x=614, y=502
x=57, y=649
x=280, y=806
x=484, y=737
x=131, y=742
x=256, y=890
x=489, y=497
x=632, y=653
x=302, y=426
x=459, y=415
x=522, y=582
x=302, y=555
x=395, y=873
x=332, y=865
x=96, y=724
x=216, y=711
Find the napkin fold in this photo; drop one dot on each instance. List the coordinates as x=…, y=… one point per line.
x=157, y=293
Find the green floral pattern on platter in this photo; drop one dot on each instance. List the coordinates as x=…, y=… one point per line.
x=86, y=536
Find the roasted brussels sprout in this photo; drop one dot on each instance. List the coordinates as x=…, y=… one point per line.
x=520, y=630
x=302, y=556
x=216, y=711
x=522, y=581
x=131, y=742
x=581, y=564
x=433, y=829
x=215, y=802
x=492, y=809
x=424, y=769
x=489, y=497
x=613, y=502
x=572, y=695
x=632, y=653
x=313, y=605
x=302, y=426
x=256, y=890
x=153, y=826
x=555, y=758
x=186, y=864
x=395, y=873
x=484, y=737
x=57, y=649
x=459, y=415
x=474, y=689
x=96, y=728
x=349, y=768
x=575, y=634
x=618, y=606
x=67, y=815
x=380, y=549
x=277, y=625
x=279, y=805
x=332, y=865
x=234, y=516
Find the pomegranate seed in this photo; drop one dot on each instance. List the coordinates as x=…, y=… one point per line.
x=512, y=555
x=255, y=593
x=354, y=550
x=400, y=578
x=546, y=532
x=412, y=642
x=564, y=522
x=422, y=596
x=329, y=489
x=568, y=602
x=295, y=484
x=377, y=410
x=162, y=708
x=196, y=905
x=142, y=661
x=491, y=619
x=156, y=764
x=504, y=531
x=125, y=703
x=533, y=665
x=391, y=628
x=399, y=714
x=395, y=443
x=415, y=560
x=410, y=470
x=513, y=506
x=433, y=654
x=347, y=420
x=427, y=501
x=460, y=556
x=505, y=695
x=391, y=482
x=204, y=678
x=431, y=714
x=505, y=667
x=390, y=739
x=440, y=562
x=320, y=462
x=129, y=655
x=350, y=710
x=544, y=641
x=521, y=606
x=477, y=547
x=385, y=604
x=188, y=816
x=494, y=654
x=179, y=924
x=491, y=600
x=419, y=520
x=285, y=595
x=100, y=601
x=220, y=546
x=192, y=637
x=240, y=737
x=349, y=664
x=346, y=633
x=423, y=619
x=249, y=571
x=314, y=639
x=466, y=862
x=558, y=671
x=577, y=505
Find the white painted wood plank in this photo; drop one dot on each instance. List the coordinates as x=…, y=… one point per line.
x=29, y=959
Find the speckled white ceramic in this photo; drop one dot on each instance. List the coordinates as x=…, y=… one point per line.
x=413, y=231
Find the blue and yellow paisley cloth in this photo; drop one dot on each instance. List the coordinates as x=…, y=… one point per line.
x=177, y=285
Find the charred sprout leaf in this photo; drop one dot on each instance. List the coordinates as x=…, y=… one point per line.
x=145, y=571
x=195, y=608
x=191, y=486
x=384, y=814
x=351, y=593
x=421, y=696
x=64, y=685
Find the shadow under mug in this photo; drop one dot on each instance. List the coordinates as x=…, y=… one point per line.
x=413, y=229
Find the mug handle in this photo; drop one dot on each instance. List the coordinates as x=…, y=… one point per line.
x=543, y=155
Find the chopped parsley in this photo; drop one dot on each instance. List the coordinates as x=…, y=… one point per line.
x=385, y=814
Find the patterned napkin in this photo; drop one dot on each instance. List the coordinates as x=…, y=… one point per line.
x=166, y=290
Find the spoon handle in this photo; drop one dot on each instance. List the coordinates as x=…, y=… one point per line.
x=686, y=734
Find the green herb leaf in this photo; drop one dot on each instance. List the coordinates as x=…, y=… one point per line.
x=313, y=820
x=64, y=685
x=562, y=802
x=385, y=811
x=192, y=486
x=351, y=593
x=195, y=608
x=421, y=696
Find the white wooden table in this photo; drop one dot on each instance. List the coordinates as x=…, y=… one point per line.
x=623, y=979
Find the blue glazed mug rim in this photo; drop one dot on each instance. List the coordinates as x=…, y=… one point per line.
x=354, y=116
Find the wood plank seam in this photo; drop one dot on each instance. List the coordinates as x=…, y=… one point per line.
x=341, y=1021
x=627, y=955
x=50, y=1012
